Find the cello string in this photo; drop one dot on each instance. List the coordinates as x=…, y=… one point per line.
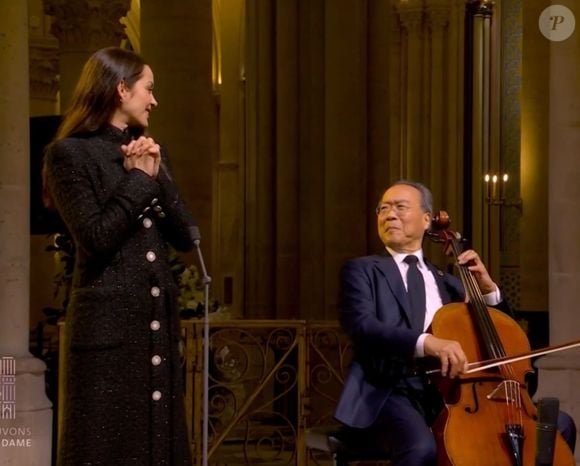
x=519, y=406
x=511, y=392
x=476, y=296
x=507, y=395
x=480, y=308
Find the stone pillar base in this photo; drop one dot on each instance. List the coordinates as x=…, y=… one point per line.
x=559, y=376
x=27, y=440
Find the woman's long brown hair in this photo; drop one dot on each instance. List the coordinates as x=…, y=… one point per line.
x=95, y=97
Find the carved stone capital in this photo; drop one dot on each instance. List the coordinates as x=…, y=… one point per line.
x=87, y=24
x=409, y=5
x=480, y=7
x=44, y=70
x=412, y=21
x=437, y=17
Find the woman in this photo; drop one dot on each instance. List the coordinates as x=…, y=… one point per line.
x=110, y=184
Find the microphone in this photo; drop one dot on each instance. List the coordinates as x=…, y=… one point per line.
x=546, y=429
x=195, y=234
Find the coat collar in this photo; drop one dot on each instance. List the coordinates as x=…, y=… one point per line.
x=120, y=136
x=117, y=137
x=389, y=269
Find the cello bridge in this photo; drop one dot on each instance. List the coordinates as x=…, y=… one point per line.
x=507, y=391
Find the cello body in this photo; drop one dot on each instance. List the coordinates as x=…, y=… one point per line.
x=481, y=408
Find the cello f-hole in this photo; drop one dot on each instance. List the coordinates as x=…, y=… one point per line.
x=475, y=409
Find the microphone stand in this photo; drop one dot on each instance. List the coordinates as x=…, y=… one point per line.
x=206, y=280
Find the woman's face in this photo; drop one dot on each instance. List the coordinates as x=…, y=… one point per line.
x=136, y=102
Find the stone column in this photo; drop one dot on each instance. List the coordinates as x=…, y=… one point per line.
x=396, y=144
x=26, y=433
x=436, y=153
x=286, y=159
x=311, y=153
x=454, y=113
x=79, y=37
x=228, y=206
x=560, y=374
x=479, y=15
x=411, y=15
x=259, y=175
x=437, y=19
x=382, y=109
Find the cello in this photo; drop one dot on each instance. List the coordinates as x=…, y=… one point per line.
x=489, y=418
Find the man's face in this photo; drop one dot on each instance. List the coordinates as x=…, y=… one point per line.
x=401, y=222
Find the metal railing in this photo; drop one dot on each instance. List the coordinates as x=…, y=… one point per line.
x=270, y=380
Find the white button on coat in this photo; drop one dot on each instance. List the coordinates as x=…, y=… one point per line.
x=156, y=360
x=147, y=222
x=154, y=325
x=150, y=256
x=155, y=292
x=156, y=395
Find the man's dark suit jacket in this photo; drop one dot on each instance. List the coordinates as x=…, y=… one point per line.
x=375, y=312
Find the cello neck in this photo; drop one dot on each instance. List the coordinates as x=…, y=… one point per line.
x=490, y=342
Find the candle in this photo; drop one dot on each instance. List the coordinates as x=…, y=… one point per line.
x=487, y=186
x=503, y=186
x=494, y=187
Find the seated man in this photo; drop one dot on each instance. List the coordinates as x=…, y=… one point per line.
x=387, y=302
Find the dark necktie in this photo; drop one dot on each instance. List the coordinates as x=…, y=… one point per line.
x=416, y=291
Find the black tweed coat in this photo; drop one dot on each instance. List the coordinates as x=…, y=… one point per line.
x=124, y=391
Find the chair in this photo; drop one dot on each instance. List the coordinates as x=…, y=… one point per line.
x=345, y=445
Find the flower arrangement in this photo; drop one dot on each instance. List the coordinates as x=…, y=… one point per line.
x=191, y=299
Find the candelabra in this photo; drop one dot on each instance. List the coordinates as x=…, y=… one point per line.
x=495, y=191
